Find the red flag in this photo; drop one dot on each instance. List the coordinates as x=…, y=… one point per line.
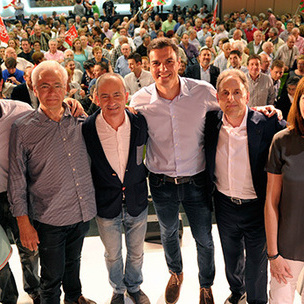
x=213, y=22
x=3, y=32
x=71, y=34
x=11, y=4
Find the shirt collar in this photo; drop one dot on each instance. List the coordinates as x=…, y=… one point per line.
x=108, y=128
x=43, y=117
x=184, y=90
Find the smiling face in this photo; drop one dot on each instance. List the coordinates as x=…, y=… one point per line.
x=205, y=58
x=164, y=66
x=50, y=89
x=112, y=97
x=232, y=97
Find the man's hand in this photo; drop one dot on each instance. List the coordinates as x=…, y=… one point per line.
x=28, y=234
x=280, y=270
x=131, y=109
x=269, y=111
x=75, y=107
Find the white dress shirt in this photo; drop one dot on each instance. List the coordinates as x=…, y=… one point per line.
x=175, y=145
x=232, y=164
x=134, y=84
x=115, y=144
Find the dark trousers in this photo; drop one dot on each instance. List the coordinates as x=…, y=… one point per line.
x=29, y=259
x=8, y=288
x=241, y=227
x=60, y=252
x=167, y=198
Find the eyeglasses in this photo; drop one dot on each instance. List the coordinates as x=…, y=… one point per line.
x=139, y=85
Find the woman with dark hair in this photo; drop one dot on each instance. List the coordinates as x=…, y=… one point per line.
x=284, y=209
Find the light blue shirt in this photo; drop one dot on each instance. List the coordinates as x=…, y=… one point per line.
x=122, y=66
x=175, y=145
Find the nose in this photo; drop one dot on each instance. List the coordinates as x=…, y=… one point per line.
x=163, y=67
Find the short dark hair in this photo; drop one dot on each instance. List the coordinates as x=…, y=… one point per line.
x=236, y=52
x=10, y=63
x=88, y=64
x=161, y=43
x=254, y=56
x=103, y=65
x=278, y=63
x=135, y=56
x=25, y=39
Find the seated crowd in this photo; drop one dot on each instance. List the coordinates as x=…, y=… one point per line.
x=253, y=60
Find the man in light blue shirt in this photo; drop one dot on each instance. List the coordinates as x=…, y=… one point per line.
x=122, y=66
x=175, y=110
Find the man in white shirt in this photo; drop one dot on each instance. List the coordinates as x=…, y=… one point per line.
x=21, y=62
x=237, y=141
x=115, y=141
x=138, y=78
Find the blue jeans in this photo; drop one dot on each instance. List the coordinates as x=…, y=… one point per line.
x=8, y=288
x=193, y=195
x=110, y=231
x=29, y=259
x=60, y=251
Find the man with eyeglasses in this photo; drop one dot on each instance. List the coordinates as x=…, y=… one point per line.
x=138, y=78
x=50, y=187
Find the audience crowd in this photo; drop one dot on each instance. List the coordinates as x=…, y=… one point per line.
x=155, y=62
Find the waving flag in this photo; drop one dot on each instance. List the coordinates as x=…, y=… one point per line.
x=302, y=6
x=213, y=22
x=71, y=34
x=3, y=32
x=11, y=4
x=155, y=2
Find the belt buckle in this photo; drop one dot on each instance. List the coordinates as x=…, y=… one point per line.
x=236, y=201
x=176, y=180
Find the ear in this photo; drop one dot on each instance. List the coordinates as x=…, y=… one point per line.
x=127, y=95
x=217, y=98
x=35, y=91
x=247, y=97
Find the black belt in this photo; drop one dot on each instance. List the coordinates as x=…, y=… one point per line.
x=240, y=201
x=176, y=180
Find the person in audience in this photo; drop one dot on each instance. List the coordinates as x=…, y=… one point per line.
x=122, y=66
x=138, y=78
x=288, y=52
x=276, y=73
x=205, y=70
x=260, y=85
x=285, y=101
x=255, y=46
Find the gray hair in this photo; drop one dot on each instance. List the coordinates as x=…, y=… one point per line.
x=233, y=73
x=49, y=65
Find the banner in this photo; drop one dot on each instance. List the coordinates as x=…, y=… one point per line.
x=11, y=4
x=213, y=22
x=155, y=2
x=302, y=6
x=3, y=32
x=71, y=34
